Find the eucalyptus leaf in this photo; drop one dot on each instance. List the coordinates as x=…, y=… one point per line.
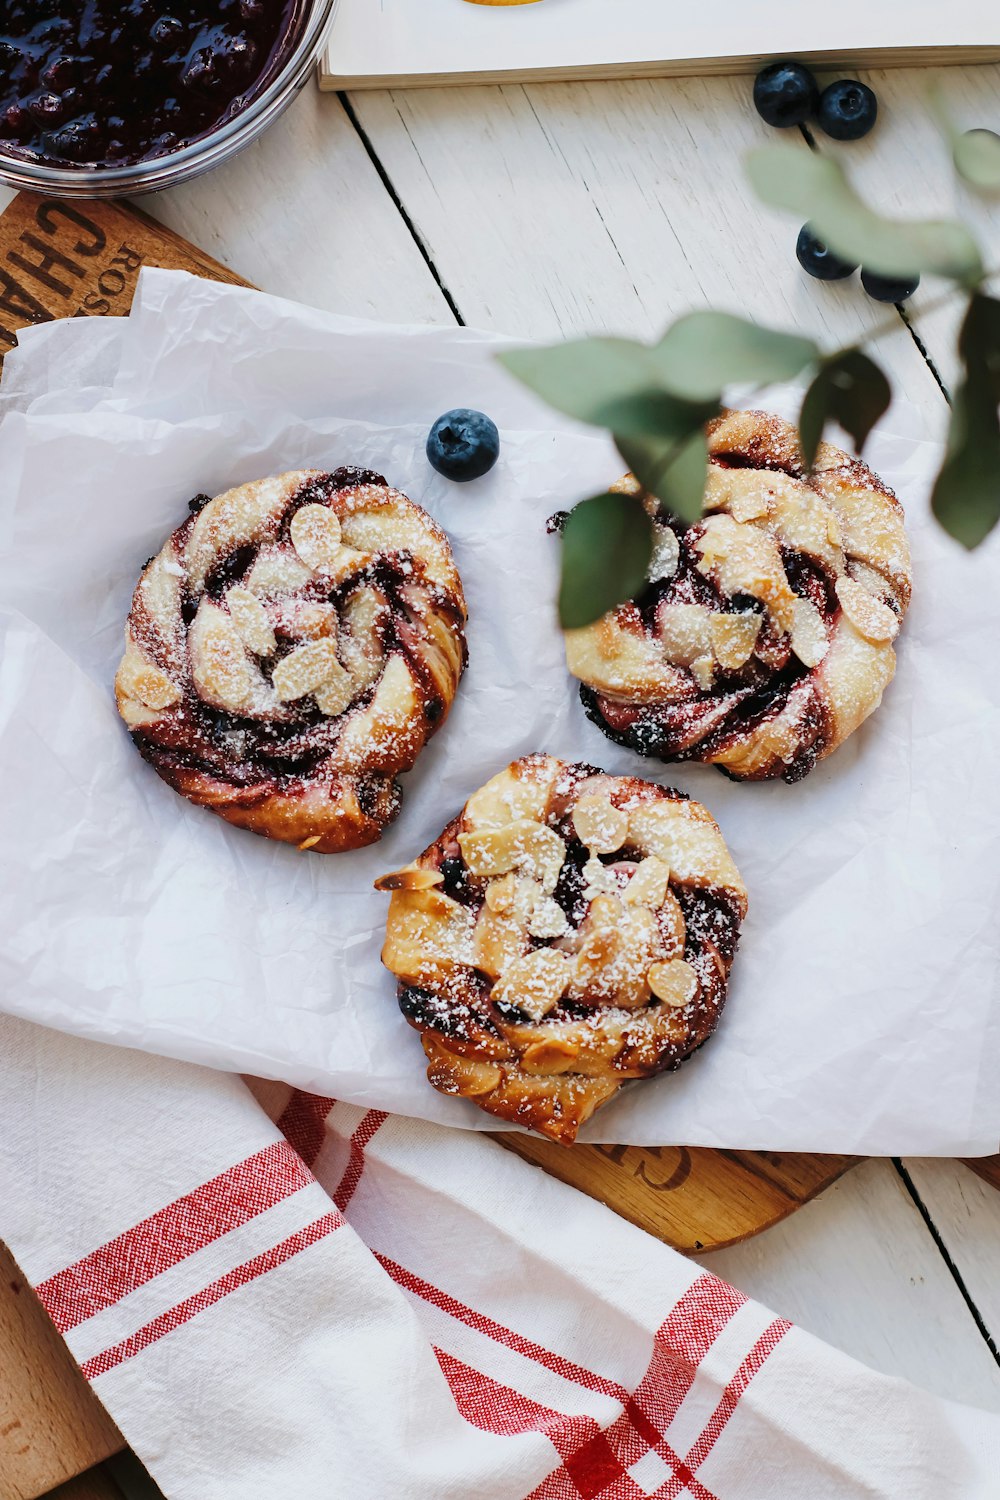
x=703, y=352
x=814, y=187
x=606, y=382
x=848, y=388
x=977, y=158
x=607, y=543
x=966, y=497
x=674, y=471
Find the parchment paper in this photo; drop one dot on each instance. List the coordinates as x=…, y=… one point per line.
x=863, y=1011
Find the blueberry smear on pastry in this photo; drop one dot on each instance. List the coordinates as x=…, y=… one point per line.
x=567, y=932
x=764, y=637
x=290, y=650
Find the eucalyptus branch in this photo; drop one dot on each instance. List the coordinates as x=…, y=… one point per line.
x=655, y=399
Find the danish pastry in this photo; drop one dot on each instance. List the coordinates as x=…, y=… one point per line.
x=568, y=931
x=764, y=637
x=290, y=649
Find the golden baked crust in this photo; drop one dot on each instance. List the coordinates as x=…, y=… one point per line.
x=568, y=931
x=765, y=636
x=290, y=649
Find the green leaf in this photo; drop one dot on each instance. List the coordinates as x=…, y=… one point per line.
x=607, y=543
x=849, y=388
x=606, y=382
x=977, y=158
x=814, y=187
x=966, y=497
x=704, y=352
x=976, y=153
x=673, y=470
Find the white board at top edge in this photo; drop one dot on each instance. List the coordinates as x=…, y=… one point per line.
x=378, y=42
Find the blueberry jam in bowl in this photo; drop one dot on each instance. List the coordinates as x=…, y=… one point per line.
x=103, y=97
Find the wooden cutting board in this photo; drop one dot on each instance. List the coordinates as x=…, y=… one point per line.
x=73, y=259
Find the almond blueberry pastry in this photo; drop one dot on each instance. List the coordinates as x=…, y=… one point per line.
x=567, y=932
x=765, y=635
x=290, y=649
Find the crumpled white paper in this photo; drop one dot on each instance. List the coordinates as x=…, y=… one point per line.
x=863, y=1011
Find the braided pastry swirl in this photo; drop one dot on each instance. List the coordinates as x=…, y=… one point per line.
x=765, y=635
x=291, y=648
x=568, y=931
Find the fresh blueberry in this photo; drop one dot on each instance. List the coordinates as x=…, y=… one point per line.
x=888, y=288
x=816, y=258
x=847, y=110
x=785, y=93
x=463, y=444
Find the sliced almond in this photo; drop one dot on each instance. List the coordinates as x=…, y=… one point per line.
x=666, y=553
x=605, y=911
x=345, y=565
x=219, y=666
x=548, y=920
x=302, y=619
x=554, y=1055
x=684, y=630
x=749, y=504
x=411, y=878
x=599, y=880
x=315, y=533
x=703, y=672
x=649, y=884
x=612, y=962
x=599, y=824
x=364, y=615
x=276, y=573
x=451, y=1073
x=596, y=957
x=733, y=638
x=671, y=927
x=251, y=621
x=514, y=895
x=525, y=845
x=674, y=982
x=809, y=638
x=535, y=983
x=498, y=940
x=305, y=669
x=869, y=616
x=502, y=893
x=147, y=683
x=336, y=694
x=746, y=560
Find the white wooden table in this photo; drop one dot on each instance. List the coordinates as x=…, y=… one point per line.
x=558, y=209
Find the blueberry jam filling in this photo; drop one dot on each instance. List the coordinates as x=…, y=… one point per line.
x=570, y=887
x=113, y=82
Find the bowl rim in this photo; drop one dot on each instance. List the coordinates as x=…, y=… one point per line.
x=21, y=172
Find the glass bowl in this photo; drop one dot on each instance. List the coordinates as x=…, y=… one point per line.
x=311, y=25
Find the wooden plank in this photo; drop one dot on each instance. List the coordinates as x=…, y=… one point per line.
x=965, y=1209
x=610, y=207
x=856, y=1267
x=52, y=1426
x=904, y=169
x=302, y=213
